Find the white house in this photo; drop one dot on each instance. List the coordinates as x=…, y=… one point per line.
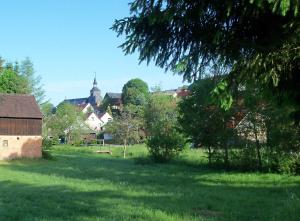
x=105, y=118
x=252, y=127
x=97, y=122
x=93, y=122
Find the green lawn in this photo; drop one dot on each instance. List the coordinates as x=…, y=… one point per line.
x=81, y=185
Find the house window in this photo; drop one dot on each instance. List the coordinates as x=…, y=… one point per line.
x=5, y=143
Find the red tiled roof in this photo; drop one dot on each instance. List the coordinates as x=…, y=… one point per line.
x=19, y=106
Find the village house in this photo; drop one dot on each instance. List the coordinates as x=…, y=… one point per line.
x=114, y=100
x=20, y=127
x=250, y=127
x=180, y=92
x=97, y=122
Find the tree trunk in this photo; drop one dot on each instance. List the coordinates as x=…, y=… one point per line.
x=257, y=145
x=124, y=150
x=69, y=138
x=209, y=155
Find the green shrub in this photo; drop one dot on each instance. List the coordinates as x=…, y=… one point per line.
x=93, y=142
x=287, y=163
x=78, y=143
x=165, y=146
x=297, y=165
x=47, y=143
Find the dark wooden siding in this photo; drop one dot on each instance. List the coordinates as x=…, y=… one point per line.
x=15, y=126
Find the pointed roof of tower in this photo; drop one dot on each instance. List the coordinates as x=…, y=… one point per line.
x=95, y=81
x=95, y=87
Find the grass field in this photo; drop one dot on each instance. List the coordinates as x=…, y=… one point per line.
x=81, y=185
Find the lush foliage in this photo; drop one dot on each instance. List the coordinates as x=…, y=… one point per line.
x=204, y=122
x=125, y=128
x=82, y=185
x=11, y=82
x=135, y=92
x=67, y=123
x=254, y=134
x=34, y=82
x=249, y=40
x=164, y=145
x=20, y=79
x=164, y=140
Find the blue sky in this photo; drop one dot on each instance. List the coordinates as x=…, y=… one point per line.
x=69, y=40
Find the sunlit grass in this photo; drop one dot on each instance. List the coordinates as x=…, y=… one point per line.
x=80, y=184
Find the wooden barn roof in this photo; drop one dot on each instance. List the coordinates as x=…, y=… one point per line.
x=19, y=106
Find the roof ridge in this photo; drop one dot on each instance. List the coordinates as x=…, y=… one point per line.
x=15, y=94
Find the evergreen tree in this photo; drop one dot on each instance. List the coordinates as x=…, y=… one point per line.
x=249, y=40
x=35, y=86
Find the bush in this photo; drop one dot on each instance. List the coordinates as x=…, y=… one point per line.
x=47, y=143
x=78, y=143
x=165, y=146
x=288, y=163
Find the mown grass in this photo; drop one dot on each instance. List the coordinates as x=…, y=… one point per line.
x=82, y=185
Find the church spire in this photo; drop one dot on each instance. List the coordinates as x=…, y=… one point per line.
x=95, y=94
x=95, y=81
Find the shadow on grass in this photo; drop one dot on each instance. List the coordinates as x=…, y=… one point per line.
x=138, y=192
x=25, y=202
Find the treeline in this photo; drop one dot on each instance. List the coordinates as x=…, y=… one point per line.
x=256, y=133
x=254, y=46
x=150, y=118
x=20, y=78
x=63, y=124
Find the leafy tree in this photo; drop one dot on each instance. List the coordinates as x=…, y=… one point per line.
x=10, y=82
x=1, y=64
x=283, y=135
x=109, y=111
x=135, y=92
x=125, y=127
x=160, y=106
x=15, y=78
x=164, y=140
x=250, y=40
x=35, y=86
x=47, y=110
x=204, y=122
x=67, y=122
x=266, y=138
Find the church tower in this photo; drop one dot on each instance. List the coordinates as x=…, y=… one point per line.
x=95, y=98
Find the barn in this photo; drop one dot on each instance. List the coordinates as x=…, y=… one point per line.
x=20, y=127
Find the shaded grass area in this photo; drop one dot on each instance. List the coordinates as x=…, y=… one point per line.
x=82, y=185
